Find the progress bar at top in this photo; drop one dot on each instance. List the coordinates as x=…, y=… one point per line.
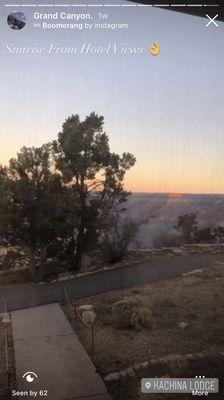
x=111, y=5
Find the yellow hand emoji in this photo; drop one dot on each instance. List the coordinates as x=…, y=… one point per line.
x=155, y=49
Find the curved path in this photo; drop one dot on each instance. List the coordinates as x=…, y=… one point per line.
x=24, y=296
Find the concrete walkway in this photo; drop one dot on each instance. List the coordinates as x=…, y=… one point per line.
x=46, y=344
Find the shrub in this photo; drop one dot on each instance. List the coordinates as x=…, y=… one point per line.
x=167, y=239
x=131, y=313
x=116, y=237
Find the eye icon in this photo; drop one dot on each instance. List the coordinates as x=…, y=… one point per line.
x=30, y=376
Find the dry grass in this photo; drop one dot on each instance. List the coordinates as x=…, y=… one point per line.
x=196, y=299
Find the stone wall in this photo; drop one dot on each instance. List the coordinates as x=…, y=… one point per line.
x=186, y=249
x=173, y=365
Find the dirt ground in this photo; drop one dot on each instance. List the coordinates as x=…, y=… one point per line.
x=194, y=299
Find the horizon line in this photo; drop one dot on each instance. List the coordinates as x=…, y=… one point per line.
x=178, y=193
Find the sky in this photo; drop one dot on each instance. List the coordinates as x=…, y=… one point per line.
x=166, y=110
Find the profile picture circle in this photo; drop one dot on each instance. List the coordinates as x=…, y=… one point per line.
x=16, y=20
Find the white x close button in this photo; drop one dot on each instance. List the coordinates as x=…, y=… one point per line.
x=212, y=20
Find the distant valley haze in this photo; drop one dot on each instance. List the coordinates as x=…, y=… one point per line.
x=158, y=213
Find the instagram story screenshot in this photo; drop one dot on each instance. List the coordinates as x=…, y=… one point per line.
x=111, y=200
